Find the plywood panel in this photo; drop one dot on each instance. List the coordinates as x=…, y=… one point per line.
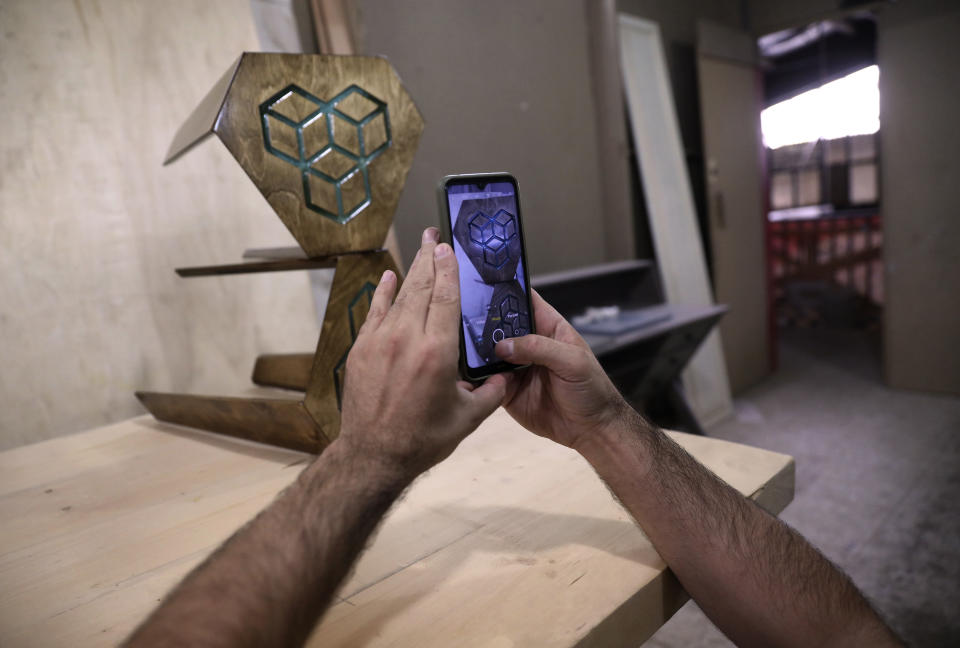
x=670, y=205
x=91, y=226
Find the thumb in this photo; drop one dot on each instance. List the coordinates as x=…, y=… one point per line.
x=565, y=360
x=488, y=396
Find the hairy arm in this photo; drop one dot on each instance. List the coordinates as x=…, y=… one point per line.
x=403, y=411
x=758, y=580
x=269, y=583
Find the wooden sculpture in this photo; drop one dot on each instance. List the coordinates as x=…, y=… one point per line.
x=328, y=141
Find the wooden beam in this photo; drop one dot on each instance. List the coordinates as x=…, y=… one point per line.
x=275, y=421
x=332, y=24
x=277, y=265
x=286, y=370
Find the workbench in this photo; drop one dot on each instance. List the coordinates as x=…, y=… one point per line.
x=513, y=541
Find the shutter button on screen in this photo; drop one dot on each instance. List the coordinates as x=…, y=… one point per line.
x=497, y=335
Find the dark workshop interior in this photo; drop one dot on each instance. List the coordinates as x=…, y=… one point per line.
x=749, y=210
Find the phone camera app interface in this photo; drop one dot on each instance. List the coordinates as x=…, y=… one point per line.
x=484, y=221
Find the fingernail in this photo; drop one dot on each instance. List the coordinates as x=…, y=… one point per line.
x=430, y=235
x=386, y=276
x=506, y=346
x=442, y=250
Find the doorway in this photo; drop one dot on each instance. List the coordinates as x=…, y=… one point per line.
x=824, y=238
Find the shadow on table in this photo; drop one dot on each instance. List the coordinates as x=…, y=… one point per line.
x=232, y=444
x=523, y=539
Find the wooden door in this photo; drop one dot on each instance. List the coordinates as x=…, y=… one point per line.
x=730, y=113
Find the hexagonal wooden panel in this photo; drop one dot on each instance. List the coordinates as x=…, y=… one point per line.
x=353, y=285
x=328, y=141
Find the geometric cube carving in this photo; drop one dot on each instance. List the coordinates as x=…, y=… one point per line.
x=328, y=141
x=486, y=229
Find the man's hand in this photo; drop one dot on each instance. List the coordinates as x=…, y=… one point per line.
x=402, y=404
x=756, y=578
x=403, y=411
x=565, y=396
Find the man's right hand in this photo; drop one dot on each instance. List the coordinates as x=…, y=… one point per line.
x=565, y=396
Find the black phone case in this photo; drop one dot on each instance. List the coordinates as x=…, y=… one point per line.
x=480, y=373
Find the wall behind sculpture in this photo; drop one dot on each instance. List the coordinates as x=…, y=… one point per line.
x=91, y=226
x=503, y=86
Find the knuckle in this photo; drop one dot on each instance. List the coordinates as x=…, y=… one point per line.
x=375, y=313
x=445, y=296
x=436, y=361
x=393, y=344
x=365, y=327
x=421, y=284
x=357, y=354
x=429, y=359
x=585, y=361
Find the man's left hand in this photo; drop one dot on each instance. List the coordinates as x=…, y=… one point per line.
x=403, y=405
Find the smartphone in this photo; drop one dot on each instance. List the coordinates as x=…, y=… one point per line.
x=480, y=218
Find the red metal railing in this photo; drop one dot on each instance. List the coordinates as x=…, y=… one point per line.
x=840, y=250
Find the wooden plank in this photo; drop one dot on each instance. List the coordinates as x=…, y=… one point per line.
x=512, y=541
x=679, y=316
x=673, y=222
x=276, y=265
x=199, y=125
x=275, y=253
x=266, y=420
x=590, y=272
x=333, y=25
x=284, y=370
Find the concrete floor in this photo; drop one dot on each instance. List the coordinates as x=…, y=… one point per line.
x=878, y=480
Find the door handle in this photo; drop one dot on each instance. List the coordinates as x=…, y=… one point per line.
x=719, y=214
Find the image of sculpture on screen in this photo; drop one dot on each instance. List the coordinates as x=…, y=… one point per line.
x=492, y=276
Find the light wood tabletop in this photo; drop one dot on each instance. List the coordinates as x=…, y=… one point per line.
x=513, y=541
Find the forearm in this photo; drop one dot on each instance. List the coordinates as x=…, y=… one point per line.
x=757, y=579
x=271, y=581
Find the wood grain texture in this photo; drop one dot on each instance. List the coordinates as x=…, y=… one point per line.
x=334, y=23
x=284, y=370
x=92, y=224
x=513, y=541
x=201, y=122
x=333, y=26
x=310, y=424
x=355, y=277
x=278, y=422
x=673, y=221
x=239, y=124
x=275, y=265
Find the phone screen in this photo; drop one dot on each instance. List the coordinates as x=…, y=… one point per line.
x=487, y=238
